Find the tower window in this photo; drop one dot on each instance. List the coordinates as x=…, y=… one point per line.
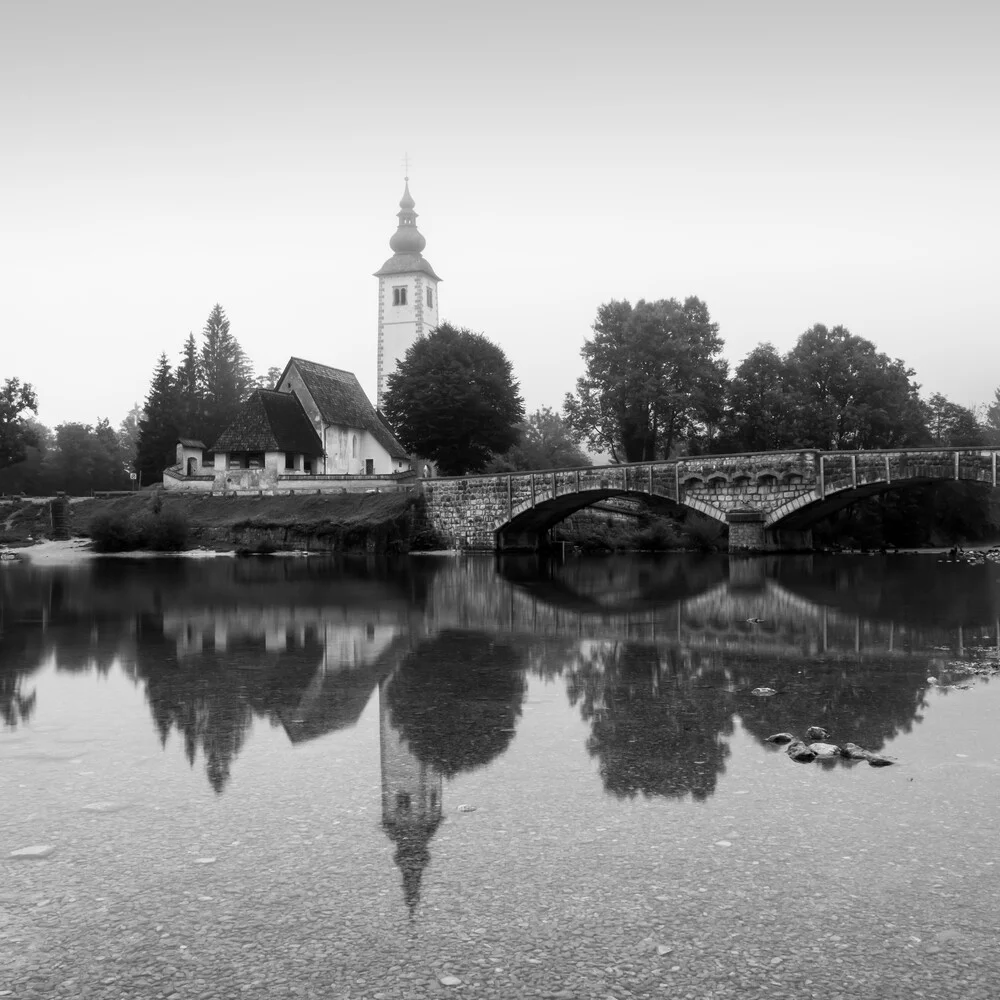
x=402, y=801
x=430, y=298
x=399, y=295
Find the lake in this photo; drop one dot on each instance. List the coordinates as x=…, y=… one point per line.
x=498, y=777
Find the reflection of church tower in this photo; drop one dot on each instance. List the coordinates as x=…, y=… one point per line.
x=407, y=294
x=411, y=802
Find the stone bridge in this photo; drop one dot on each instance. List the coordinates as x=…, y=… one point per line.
x=769, y=500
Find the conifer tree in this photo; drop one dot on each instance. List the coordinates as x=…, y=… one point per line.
x=227, y=375
x=188, y=383
x=158, y=428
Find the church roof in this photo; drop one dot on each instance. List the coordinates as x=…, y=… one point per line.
x=406, y=263
x=341, y=400
x=271, y=421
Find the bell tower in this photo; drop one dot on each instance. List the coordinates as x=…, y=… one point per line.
x=407, y=293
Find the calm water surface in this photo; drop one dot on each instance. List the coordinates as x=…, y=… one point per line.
x=497, y=778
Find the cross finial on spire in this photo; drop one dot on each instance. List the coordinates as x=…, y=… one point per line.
x=406, y=166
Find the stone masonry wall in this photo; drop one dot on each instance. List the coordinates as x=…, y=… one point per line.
x=467, y=513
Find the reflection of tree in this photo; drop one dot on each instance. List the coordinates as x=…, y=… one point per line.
x=455, y=700
x=15, y=705
x=922, y=590
x=656, y=722
x=867, y=700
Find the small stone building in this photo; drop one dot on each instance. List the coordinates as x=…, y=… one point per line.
x=270, y=438
x=315, y=430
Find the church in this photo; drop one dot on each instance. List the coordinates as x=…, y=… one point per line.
x=316, y=429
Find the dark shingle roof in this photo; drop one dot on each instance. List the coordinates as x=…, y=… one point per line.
x=270, y=421
x=191, y=443
x=341, y=400
x=406, y=263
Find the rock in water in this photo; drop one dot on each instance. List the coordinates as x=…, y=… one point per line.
x=798, y=751
x=780, y=738
x=817, y=733
x=763, y=692
x=879, y=760
x=825, y=750
x=854, y=752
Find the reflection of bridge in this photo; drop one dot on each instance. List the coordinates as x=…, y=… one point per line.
x=769, y=499
x=715, y=621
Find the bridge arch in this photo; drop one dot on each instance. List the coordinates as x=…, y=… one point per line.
x=531, y=519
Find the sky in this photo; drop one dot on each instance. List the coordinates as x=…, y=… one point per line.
x=787, y=163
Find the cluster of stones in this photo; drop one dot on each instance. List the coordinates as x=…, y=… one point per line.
x=803, y=753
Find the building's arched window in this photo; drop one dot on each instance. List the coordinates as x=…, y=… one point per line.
x=354, y=446
x=430, y=298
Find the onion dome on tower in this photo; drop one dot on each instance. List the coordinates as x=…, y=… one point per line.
x=407, y=293
x=407, y=242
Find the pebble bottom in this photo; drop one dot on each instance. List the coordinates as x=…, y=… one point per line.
x=787, y=882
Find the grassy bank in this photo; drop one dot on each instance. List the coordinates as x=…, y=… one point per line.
x=349, y=522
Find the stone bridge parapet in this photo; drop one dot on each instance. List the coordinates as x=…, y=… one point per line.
x=768, y=499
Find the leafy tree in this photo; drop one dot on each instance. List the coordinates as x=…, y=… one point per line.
x=270, y=380
x=84, y=458
x=158, y=431
x=227, y=376
x=951, y=425
x=547, y=441
x=762, y=406
x=992, y=422
x=849, y=395
x=654, y=378
x=454, y=400
x=17, y=398
x=128, y=434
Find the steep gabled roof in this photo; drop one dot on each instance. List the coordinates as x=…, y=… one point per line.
x=271, y=421
x=341, y=400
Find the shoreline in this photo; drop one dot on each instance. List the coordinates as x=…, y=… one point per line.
x=78, y=550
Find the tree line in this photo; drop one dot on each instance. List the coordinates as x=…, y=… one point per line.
x=196, y=398
x=655, y=386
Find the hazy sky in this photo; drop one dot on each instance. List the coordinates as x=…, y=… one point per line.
x=787, y=163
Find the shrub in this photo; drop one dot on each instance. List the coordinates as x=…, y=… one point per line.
x=166, y=531
x=113, y=532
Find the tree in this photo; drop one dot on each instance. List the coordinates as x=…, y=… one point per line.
x=547, y=441
x=17, y=398
x=226, y=373
x=270, y=380
x=992, y=423
x=654, y=378
x=158, y=428
x=849, y=395
x=188, y=387
x=84, y=458
x=454, y=400
x=951, y=425
x=128, y=434
x=762, y=407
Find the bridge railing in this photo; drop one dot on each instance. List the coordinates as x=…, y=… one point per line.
x=860, y=467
